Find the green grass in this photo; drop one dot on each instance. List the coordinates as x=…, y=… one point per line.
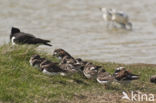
x=21, y=83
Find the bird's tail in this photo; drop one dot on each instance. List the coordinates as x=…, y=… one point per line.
x=48, y=44
x=133, y=76
x=42, y=41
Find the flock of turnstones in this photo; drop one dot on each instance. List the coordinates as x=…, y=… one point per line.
x=69, y=64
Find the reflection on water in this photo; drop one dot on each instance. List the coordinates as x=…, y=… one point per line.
x=77, y=26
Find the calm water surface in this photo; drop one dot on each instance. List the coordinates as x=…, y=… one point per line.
x=77, y=26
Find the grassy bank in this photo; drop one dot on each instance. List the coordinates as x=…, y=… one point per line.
x=21, y=83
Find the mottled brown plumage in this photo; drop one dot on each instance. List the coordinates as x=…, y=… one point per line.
x=104, y=77
x=123, y=74
x=90, y=70
x=60, y=53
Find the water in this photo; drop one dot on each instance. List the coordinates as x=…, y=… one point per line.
x=77, y=26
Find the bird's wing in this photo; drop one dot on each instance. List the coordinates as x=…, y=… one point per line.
x=105, y=76
x=26, y=34
x=24, y=38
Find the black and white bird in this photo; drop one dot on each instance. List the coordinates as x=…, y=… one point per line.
x=18, y=37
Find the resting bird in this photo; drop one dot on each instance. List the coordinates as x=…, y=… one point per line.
x=17, y=37
x=61, y=53
x=122, y=74
x=67, y=59
x=69, y=64
x=104, y=77
x=51, y=68
x=90, y=70
x=36, y=60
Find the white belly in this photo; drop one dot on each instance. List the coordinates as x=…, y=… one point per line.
x=101, y=82
x=49, y=73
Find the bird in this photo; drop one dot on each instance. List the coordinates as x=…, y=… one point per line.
x=50, y=68
x=107, y=16
x=153, y=79
x=112, y=16
x=60, y=53
x=68, y=59
x=69, y=64
x=18, y=37
x=121, y=18
x=33, y=57
x=70, y=68
x=36, y=63
x=122, y=74
x=90, y=70
x=81, y=62
x=36, y=60
x=104, y=77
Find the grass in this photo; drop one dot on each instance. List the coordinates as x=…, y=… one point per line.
x=21, y=83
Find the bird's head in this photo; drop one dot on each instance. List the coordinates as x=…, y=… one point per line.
x=14, y=30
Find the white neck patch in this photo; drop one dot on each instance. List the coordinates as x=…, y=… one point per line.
x=12, y=40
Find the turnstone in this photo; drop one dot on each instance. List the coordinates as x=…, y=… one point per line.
x=90, y=70
x=17, y=37
x=122, y=74
x=67, y=59
x=36, y=60
x=36, y=63
x=81, y=62
x=51, y=68
x=33, y=57
x=104, y=77
x=69, y=64
x=70, y=68
x=60, y=53
x=153, y=79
